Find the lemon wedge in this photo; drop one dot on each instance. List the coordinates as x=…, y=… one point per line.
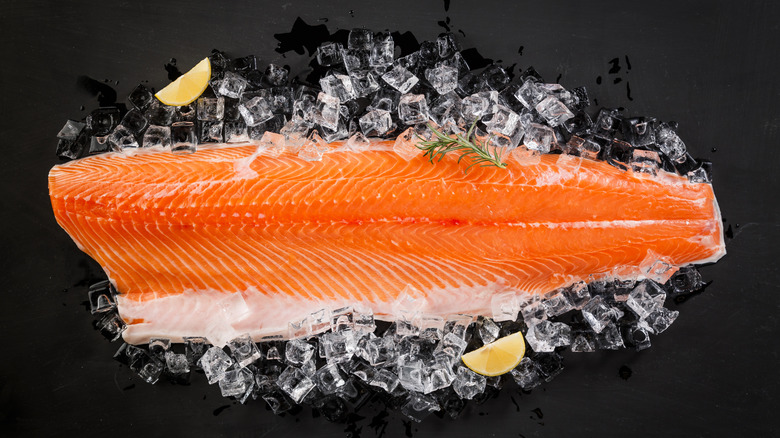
x=497, y=357
x=187, y=87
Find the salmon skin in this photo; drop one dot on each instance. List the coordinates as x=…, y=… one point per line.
x=228, y=241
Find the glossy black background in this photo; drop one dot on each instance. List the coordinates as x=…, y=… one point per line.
x=712, y=66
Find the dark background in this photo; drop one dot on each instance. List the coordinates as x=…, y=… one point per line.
x=712, y=66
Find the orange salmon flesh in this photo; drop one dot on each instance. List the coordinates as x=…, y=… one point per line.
x=211, y=245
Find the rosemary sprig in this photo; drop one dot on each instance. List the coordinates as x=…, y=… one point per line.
x=479, y=154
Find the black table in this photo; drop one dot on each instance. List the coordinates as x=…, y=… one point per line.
x=712, y=66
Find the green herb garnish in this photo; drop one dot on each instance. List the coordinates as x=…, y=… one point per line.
x=478, y=153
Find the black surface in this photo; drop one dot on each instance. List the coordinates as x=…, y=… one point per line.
x=712, y=66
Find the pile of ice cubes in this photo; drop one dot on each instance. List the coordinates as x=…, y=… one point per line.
x=338, y=360
x=363, y=89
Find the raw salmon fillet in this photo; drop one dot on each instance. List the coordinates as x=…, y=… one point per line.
x=222, y=242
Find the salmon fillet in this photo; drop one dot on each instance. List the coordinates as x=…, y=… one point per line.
x=223, y=242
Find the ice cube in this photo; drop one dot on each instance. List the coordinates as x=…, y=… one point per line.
x=215, y=363
x=455, y=342
x=134, y=121
x=495, y=77
x=313, y=148
x=533, y=309
x=382, y=50
x=342, y=319
x=329, y=54
x=380, y=351
x=641, y=302
x=235, y=383
x=272, y=125
x=577, y=294
x=431, y=327
x=505, y=306
x=419, y=406
x=184, y=113
x=273, y=354
x=556, y=303
x=244, y=350
x=443, y=78
x=147, y=367
x=406, y=145
x=410, y=375
x=670, y=143
x=687, y=279
x=539, y=138
x=140, y=97
x=400, y=78
x=646, y=162
x=327, y=111
x=102, y=297
x=111, y=326
x=97, y=145
x=358, y=142
x=385, y=379
x=506, y=128
x=158, y=347
x=553, y=111
x=598, y=313
x=548, y=365
x=281, y=100
x=582, y=147
x=298, y=351
x=277, y=401
x=609, y=338
x=468, y=384
x=159, y=114
x=487, y=329
x=338, y=347
x=478, y=105
x=255, y=111
x=413, y=109
x=639, y=131
x=526, y=375
x=211, y=108
x=329, y=379
x=320, y=321
x=447, y=45
x=701, y=174
x=210, y=132
x=660, y=319
x=176, y=364
x=231, y=85
x=194, y=348
x=376, y=123
x=363, y=319
x=360, y=39
x=157, y=135
x=275, y=75
x=103, y=120
x=607, y=123
x=639, y=337
x=582, y=344
x=530, y=94
x=338, y=86
x=544, y=336
x=122, y=138
x=71, y=130
x=295, y=383
x=235, y=132
x=458, y=325
x=356, y=62
x=365, y=84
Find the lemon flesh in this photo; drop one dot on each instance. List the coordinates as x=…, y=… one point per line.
x=187, y=87
x=498, y=357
